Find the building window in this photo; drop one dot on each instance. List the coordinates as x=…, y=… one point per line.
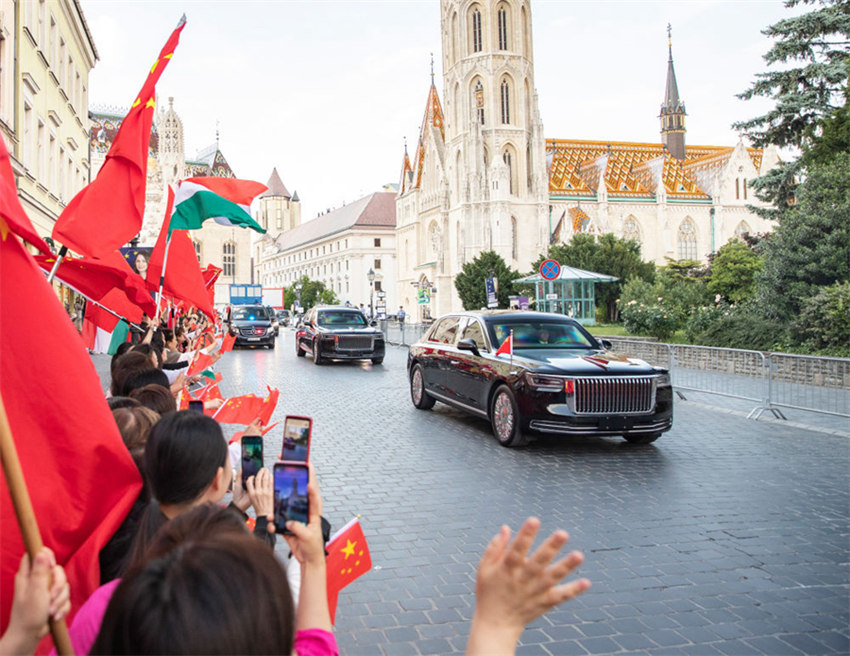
x=687, y=241
x=478, y=102
x=503, y=29
x=228, y=260
x=377, y=242
x=378, y=286
x=476, y=31
x=742, y=230
x=745, y=188
x=737, y=189
x=506, y=102
x=514, y=238
x=197, y=246
x=377, y=264
x=507, y=159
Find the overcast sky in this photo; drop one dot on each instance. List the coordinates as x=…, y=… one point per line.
x=326, y=91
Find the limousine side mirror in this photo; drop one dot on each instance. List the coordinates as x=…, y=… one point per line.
x=468, y=345
x=606, y=344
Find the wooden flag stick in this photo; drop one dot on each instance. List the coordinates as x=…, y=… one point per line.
x=26, y=518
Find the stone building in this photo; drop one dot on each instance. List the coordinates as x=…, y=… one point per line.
x=484, y=177
x=222, y=246
x=46, y=54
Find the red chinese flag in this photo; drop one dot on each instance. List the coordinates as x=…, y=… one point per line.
x=240, y=410
x=268, y=406
x=109, y=211
x=10, y=207
x=348, y=559
x=183, y=277
x=227, y=343
x=202, y=361
x=238, y=436
x=80, y=476
x=507, y=346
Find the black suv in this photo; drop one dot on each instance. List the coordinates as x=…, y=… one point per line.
x=252, y=325
x=339, y=333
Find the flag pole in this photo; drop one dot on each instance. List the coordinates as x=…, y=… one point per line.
x=162, y=274
x=26, y=517
x=61, y=256
x=91, y=300
x=511, y=365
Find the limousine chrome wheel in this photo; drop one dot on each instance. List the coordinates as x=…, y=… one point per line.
x=421, y=399
x=504, y=417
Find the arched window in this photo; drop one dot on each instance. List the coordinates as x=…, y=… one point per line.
x=506, y=101
x=456, y=102
x=687, y=241
x=228, y=259
x=476, y=35
x=742, y=229
x=455, y=44
x=459, y=177
x=478, y=101
x=631, y=229
x=514, y=237
x=503, y=27
x=508, y=159
x=526, y=34
x=197, y=246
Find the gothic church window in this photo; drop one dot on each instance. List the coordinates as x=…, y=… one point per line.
x=197, y=246
x=631, y=229
x=228, y=260
x=687, y=241
x=514, y=237
x=503, y=28
x=476, y=30
x=479, y=102
x=506, y=102
x=742, y=229
x=508, y=160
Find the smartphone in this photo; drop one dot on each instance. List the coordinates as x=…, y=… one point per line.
x=290, y=494
x=197, y=406
x=296, y=438
x=252, y=456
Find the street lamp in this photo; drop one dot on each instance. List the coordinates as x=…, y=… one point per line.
x=371, y=276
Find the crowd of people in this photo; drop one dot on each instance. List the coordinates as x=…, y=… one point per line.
x=185, y=574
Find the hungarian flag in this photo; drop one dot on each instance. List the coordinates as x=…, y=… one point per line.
x=507, y=346
x=11, y=209
x=348, y=559
x=183, y=278
x=98, y=325
x=80, y=476
x=226, y=201
x=109, y=211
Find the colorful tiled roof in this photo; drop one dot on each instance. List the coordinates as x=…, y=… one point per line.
x=631, y=170
x=433, y=118
x=406, y=173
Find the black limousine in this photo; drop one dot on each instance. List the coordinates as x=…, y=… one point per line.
x=339, y=333
x=555, y=378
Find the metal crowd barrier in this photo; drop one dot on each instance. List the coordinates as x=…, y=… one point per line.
x=402, y=334
x=772, y=380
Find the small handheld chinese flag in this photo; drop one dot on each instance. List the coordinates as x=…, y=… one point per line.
x=348, y=559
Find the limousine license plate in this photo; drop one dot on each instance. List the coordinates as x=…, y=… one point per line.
x=253, y=339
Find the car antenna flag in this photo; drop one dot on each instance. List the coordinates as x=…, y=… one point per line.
x=507, y=346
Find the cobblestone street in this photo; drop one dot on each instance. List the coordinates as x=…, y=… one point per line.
x=726, y=536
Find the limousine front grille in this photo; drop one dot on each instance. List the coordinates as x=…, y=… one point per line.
x=604, y=395
x=355, y=343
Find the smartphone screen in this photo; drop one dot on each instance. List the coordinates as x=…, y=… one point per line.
x=296, y=438
x=290, y=494
x=196, y=406
x=252, y=456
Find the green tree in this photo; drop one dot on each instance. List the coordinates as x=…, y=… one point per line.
x=733, y=271
x=810, y=247
x=607, y=254
x=313, y=293
x=470, y=281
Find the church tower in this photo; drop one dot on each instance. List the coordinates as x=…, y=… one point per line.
x=672, y=110
x=495, y=149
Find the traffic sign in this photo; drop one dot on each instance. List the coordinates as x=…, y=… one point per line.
x=550, y=269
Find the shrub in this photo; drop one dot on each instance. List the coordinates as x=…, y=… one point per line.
x=703, y=317
x=824, y=320
x=744, y=329
x=656, y=319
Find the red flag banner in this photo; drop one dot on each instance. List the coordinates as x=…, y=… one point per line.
x=268, y=406
x=348, y=559
x=11, y=209
x=227, y=343
x=109, y=211
x=240, y=409
x=507, y=347
x=80, y=476
x=202, y=361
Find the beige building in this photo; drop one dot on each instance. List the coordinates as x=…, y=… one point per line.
x=46, y=53
x=222, y=246
x=338, y=248
x=484, y=177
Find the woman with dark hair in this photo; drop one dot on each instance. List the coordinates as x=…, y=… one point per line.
x=156, y=397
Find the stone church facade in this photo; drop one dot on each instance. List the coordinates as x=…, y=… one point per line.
x=222, y=246
x=484, y=177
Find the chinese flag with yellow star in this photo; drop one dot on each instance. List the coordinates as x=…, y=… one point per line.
x=348, y=559
x=108, y=212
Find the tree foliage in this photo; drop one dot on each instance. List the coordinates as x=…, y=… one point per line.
x=733, y=271
x=606, y=254
x=824, y=320
x=313, y=293
x=470, y=282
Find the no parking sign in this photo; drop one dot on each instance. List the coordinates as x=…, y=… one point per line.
x=550, y=269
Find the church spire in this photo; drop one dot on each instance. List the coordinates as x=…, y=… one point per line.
x=672, y=109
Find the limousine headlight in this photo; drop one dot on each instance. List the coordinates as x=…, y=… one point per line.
x=663, y=380
x=543, y=383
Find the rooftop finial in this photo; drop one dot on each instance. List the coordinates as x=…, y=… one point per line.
x=405, y=144
x=216, y=133
x=432, y=68
x=670, y=39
